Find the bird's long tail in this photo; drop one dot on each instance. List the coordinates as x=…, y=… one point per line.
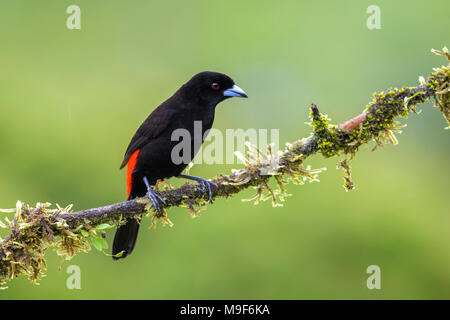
x=125, y=239
x=126, y=234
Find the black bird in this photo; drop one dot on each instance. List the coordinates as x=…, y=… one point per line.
x=149, y=155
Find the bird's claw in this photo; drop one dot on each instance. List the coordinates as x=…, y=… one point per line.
x=156, y=199
x=206, y=185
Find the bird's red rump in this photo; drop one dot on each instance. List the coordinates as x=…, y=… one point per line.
x=130, y=168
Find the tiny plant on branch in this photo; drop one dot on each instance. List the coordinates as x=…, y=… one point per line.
x=33, y=230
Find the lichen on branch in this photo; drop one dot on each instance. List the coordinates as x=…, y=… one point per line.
x=35, y=229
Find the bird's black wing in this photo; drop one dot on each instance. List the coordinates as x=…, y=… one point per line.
x=151, y=128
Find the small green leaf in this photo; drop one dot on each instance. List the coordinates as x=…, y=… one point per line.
x=406, y=100
x=99, y=243
x=118, y=255
x=84, y=233
x=104, y=226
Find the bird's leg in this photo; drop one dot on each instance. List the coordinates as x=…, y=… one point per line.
x=204, y=184
x=155, y=198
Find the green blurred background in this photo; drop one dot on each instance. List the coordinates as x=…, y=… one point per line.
x=70, y=100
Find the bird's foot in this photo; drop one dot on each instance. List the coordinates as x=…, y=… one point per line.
x=206, y=186
x=157, y=200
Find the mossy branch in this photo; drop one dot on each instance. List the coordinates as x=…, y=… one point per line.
x=35, y=229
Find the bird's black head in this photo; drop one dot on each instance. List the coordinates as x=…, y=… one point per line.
x=212, y=87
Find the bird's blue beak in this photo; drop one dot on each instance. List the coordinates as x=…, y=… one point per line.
x=235, y=91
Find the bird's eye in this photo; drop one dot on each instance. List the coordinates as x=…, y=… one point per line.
x=215, y=86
